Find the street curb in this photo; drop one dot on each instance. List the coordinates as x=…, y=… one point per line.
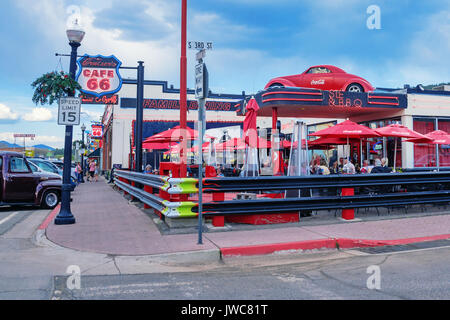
x=49, y=218
x=327, y=243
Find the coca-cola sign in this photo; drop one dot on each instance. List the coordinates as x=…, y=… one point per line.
x=99, y=75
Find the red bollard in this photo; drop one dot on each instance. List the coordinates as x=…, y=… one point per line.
x=132, y=184
x=149, y=190
x=218, y=221
x=219, y=196
x=125, y=181
x=348, y=214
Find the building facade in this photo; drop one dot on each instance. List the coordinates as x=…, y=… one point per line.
x=422, y=111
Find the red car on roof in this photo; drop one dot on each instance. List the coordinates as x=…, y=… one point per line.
x=323, y=77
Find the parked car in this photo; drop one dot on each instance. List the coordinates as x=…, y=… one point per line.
x=22, y=184
x=60, y=166
x=45, y=165
x=323, y=77
x=53, y=168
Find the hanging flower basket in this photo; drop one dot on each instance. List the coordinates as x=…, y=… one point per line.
x=51, y=86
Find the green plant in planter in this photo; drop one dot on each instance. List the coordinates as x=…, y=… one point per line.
x=53, y=85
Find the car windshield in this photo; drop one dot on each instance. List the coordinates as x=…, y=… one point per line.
x=46, y=166
x=58, y=164
x=33, y=167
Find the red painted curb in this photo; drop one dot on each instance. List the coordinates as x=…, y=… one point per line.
x=330, y=243
x=49, y=218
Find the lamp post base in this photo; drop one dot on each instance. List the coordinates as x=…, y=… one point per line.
x=65, y=216
x=65, y=220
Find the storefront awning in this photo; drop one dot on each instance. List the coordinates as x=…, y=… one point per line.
x=94, y=154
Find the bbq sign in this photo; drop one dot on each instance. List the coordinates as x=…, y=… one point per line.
x=99, y=75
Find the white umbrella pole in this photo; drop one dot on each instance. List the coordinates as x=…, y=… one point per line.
x=437, y=157
x=348, y=150
x=395, y=152
x=360, y=153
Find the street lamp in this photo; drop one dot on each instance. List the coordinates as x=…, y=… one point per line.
x=83, y=129
x=65, y=216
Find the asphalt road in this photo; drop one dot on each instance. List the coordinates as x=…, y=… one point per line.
x=10, y=216
x=29, y=271
x=419, y=274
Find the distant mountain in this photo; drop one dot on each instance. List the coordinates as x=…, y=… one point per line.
x=6, y=144
x=43, y=146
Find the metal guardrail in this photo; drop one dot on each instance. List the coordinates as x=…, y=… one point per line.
x=167, y=208
x=275, y=206
x=232, y=184
x=439, y=181
x=167, y=184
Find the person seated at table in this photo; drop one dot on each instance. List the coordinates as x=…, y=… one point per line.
x=322, y=167
x=148, y=169
x=365, y=168
x=348, y=167
x=219, y=173
x=334, y=169
x=379, y=168
x=341, y=164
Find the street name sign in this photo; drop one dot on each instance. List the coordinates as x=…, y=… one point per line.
x=201, y=81
x=200, y=45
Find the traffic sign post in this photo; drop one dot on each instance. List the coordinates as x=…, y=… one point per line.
x=201, y=93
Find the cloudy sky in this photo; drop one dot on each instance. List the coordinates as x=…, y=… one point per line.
x=254, y=40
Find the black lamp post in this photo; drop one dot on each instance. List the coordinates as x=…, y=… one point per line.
x=83, y=129
x=65, y=216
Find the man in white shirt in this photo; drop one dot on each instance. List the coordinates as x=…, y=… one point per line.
x=348, y=168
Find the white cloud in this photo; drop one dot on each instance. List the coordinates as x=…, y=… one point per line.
x=52, y=141
x=7, y=114
x=93, y=115
x=38, y=114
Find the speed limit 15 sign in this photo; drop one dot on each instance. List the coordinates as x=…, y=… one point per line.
x=69, y=109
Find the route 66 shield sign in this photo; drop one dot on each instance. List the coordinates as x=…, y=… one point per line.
x=99, y=75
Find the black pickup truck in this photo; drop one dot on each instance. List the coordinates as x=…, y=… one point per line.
x=20, y=185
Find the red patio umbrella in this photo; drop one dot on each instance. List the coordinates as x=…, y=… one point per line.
x=239, y=144
x=316, y=146
x=434, y=137
x=437, y=137
x=205, y=147
x=250, y=128
x=400, y=131
x=331, y=141
x=157, y=145
x=173, y=135
x=347, y=129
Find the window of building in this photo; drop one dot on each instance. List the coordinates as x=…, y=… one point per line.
x=382, y=147
x=444, y=150
x=424, y=153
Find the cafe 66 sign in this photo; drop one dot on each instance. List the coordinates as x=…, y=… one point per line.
x=99, y=75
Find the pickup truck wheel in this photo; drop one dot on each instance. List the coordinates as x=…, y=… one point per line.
x=50, y=199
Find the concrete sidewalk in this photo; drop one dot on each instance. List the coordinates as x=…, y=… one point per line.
x=107, y=223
